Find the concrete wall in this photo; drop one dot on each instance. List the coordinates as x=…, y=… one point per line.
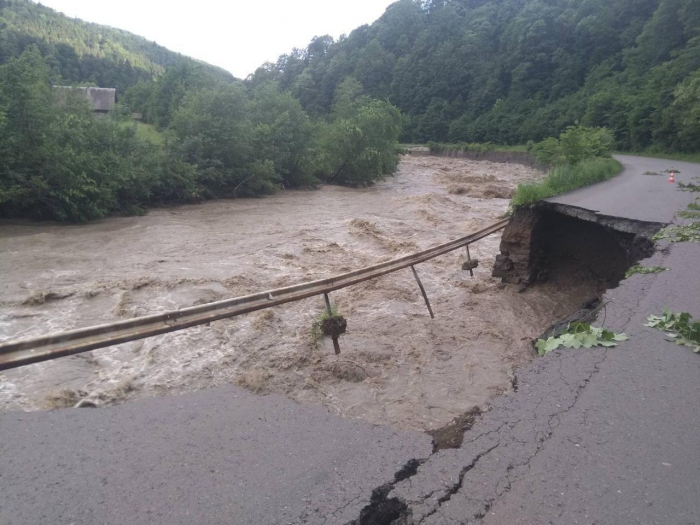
x=516, y=157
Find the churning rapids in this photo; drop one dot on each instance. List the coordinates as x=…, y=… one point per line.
x=397, y=366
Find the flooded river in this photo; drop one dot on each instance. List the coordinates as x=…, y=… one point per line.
x=397, y=366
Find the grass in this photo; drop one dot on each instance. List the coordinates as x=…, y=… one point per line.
x=150, y=133
x=147, y=132
x=563, y=179
x=684, y=157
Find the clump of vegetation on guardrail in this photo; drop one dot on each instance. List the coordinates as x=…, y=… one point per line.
x=579, y=157
x=331, y=325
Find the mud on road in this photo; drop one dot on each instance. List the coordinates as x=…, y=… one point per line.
x=397, y=366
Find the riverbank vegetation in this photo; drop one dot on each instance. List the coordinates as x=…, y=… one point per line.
x=579, y=157
x=201, y=141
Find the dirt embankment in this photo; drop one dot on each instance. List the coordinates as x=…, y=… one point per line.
x=397, y=366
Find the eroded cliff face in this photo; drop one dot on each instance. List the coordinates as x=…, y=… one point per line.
x=558, y=243
x=515, y=264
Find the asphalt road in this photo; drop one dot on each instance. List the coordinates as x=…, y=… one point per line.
x=601, y=436
x=634, y=195
x=221, y=456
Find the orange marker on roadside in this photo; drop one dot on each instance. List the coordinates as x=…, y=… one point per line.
x=672, y=177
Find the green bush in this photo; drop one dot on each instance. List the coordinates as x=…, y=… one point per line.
x=362, y=149
x=575, y=144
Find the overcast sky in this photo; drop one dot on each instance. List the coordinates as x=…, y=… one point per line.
x=238, y=35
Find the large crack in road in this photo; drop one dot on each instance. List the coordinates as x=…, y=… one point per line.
x=461, y=486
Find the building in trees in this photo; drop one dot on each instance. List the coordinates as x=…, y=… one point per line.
x=101, y=100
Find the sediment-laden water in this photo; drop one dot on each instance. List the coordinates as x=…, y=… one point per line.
x=397, y=366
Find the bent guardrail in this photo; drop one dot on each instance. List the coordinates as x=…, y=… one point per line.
x=18, y=353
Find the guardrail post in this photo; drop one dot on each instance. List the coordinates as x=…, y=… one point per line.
x=469, y=260
x=422, y=290
x=336, y=344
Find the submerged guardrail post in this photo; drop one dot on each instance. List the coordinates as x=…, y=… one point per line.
x=422, y=290
x=334, y=337
x=469, y=260
x=328, y=304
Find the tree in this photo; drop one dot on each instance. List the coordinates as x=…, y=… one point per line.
x=363, y=148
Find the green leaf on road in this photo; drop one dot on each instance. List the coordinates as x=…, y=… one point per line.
x=580, y=335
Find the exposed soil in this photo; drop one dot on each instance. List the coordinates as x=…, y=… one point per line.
x=452, y=434
x=397, y=366
x=556, y=245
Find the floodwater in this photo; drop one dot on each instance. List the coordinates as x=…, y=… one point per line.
x=397, y=366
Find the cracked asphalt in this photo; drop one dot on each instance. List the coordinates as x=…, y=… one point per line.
x=220, y=456
x=600, y=436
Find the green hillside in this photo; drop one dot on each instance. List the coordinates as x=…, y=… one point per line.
x=81, y=52
x=509, y=71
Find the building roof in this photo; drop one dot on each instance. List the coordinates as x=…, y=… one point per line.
x=102, y=99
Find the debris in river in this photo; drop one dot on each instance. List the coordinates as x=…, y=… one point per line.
x=470, y=265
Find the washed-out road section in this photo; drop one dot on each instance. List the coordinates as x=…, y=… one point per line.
x=600, y=436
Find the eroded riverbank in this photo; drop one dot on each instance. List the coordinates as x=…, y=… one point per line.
x=397, y=366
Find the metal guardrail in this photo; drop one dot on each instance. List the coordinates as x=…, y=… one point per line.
x=14, y=354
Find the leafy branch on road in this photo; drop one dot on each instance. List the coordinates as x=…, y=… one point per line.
x=579, y=335
x=688, y=187
x=689, y=233
x=679, y=327
x=644, y=270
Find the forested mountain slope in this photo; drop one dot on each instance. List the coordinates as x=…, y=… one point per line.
x=509, y=71
x=82, y=52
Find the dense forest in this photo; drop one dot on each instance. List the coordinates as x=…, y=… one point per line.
x=509, y=71
x=85, y=53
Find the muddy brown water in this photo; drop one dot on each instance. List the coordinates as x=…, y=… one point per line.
x=397, y=366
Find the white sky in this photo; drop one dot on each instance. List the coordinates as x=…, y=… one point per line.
x=237, y=35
